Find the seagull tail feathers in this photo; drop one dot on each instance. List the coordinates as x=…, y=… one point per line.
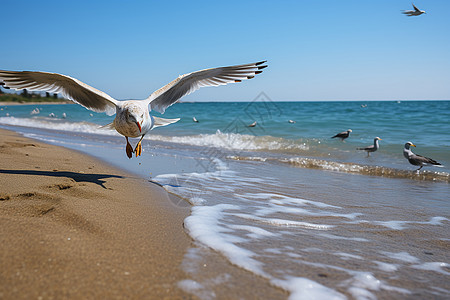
x=163, y=122
x=108, y=126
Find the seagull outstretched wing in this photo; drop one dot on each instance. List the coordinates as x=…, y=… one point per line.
x=69, y=87
x=188, y=83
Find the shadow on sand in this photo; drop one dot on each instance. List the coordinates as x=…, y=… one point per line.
x=78, y=177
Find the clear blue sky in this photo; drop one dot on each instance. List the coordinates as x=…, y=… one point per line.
x=316, y=50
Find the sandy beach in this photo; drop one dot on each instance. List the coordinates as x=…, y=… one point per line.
x=74, y=227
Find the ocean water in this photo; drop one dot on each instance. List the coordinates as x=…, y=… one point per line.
x=282, y=200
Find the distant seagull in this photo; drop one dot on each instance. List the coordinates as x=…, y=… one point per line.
x=133, y=117
x=418, y=160
x=363, y=105
x=195, y=119
x=415, y=12
x=252, y=125
x=292, y=122
x=371, y=148
x=342, y=135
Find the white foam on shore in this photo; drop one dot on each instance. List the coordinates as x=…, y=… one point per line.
x=386, y=266
x=347, y=256
x=402, y=256
x=401, y=225
x=306, y=289
x=197, y=289
x=338, y=237
x=277, y=203
x=283, y=222
x=254, y=232
x=433, y=266
x=361, y=283
x=283, y=199
x=204, y=225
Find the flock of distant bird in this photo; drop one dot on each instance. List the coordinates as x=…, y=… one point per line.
x=414, y=159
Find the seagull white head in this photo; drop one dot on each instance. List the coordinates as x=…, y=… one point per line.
x=134, y=115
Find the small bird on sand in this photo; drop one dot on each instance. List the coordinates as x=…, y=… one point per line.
x=418, y=160
x=371, y=148
x=342, y=135
x=133, y=117
x=415, y=12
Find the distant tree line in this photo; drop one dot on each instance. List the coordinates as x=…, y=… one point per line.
x=26, y=96
x=29, y=95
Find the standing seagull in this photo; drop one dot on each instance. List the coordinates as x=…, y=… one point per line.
x=417, y=160
x=133, y=117
x=371, y=148
x=415, y=12
x=342, y=135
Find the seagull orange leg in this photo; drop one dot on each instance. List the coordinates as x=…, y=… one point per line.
x=129, y=149
x=138, y=149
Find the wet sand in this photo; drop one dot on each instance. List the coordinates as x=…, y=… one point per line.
x=74, y=227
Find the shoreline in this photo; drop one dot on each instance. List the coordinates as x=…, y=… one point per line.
x=72, y=226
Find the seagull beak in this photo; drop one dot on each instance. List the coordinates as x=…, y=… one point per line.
x=139, y=126
x=413, y=145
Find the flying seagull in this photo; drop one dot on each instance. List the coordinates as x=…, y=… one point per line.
x=415, y=12
x=418, y=160
x=133, y=117
x=342, y=135
x=371, y=148
x=195, y=119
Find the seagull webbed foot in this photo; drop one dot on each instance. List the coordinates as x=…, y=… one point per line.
x=138, y=149
x=129, y=150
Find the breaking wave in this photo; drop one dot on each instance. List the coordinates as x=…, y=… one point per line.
x=229, y=141
x=354, y=168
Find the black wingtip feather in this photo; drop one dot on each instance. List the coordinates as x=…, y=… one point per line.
x=262, y=67
x=261, y=62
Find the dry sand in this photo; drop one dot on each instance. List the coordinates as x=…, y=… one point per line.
x=74, y=227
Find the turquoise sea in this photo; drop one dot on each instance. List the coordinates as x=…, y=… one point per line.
x=285, y=201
